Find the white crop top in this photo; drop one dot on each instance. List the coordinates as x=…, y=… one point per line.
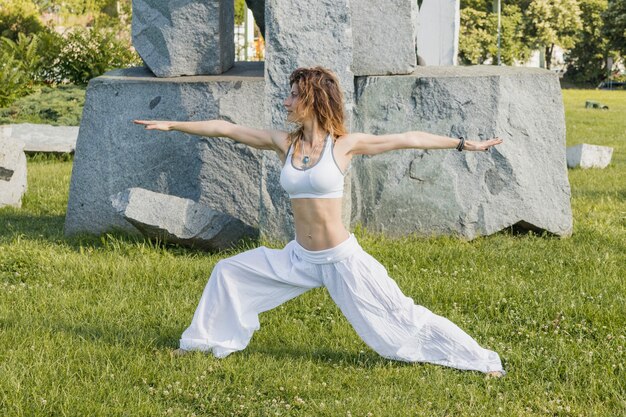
x=324, y=179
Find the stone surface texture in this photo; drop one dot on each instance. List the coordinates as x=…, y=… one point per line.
x=180, y=220
x=522, y=182
x=113, y=154
x=298, y=34
x=184, y=37
x=589, y=156
x=42, y=138
x=12, y=173
x=438, y=32
x=384, y=37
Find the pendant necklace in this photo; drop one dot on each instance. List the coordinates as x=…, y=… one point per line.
x=305, y=158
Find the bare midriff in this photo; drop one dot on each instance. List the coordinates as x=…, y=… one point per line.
x=318, y=222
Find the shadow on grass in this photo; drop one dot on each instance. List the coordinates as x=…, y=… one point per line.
x=130, y=337
x=367, y=359
x=47, y=227
x=167, y=337
x=50, y=228
x=599, y=195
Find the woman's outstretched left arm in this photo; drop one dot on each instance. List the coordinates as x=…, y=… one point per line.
x=366, y=144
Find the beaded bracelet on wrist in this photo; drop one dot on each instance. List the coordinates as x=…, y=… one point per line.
x=461, y=144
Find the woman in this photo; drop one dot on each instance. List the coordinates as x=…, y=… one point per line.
x=315, y=158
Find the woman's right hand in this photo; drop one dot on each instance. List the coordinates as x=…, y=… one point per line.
x=155, y=124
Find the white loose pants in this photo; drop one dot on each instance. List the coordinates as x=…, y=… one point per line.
x=258, y=280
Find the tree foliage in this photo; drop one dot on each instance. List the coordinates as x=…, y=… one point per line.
x=586, y=61
x=240, y=11
x=553, y=22
x=476, y=36
x=478, y=40
x=615, y=25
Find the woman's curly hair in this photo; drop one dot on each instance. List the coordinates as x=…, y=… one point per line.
x=319, y=95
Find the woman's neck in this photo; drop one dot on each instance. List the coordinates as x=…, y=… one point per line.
x=312, y=132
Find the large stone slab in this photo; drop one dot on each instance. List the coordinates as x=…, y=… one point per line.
x=589, y=156
x=113, y=154
x=12, y=173
x=439, y=22
x=384, y=37
x=522, y=182
x=180, y=220
x=184, y=37
x=298, y=34
x=42, y=138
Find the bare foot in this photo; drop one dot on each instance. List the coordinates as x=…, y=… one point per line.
x=179, y=352
x=495, y=374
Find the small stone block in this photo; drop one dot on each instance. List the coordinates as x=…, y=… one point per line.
x=595, y=105
x=589, y=156
x=12, y=173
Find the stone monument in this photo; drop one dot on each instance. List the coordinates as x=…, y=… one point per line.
x=522, y=182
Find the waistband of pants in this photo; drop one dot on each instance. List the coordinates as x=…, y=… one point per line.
x=331, y=255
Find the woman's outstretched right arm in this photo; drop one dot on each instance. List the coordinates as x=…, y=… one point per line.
x=257, y=138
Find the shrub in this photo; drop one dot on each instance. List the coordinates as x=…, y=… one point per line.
x=25, y=50
x=18, y=67
x=19, y=16
x=85, y=54
x=14, y=83
x=60, y=105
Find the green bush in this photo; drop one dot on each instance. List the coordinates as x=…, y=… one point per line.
x=85, y=54
x=61, y=105
x=25, y=50
x=14, y=82
x=19, y=16
x=18, y=67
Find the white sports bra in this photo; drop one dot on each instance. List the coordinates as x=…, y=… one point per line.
x=324, y=179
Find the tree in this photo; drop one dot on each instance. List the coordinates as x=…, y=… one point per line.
x=586, y=61
x=615, y=25
x=240, y=11
x=551, y=23
x=478, y=40
x=476, y=36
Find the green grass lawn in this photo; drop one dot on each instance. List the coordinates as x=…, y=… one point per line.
x=86, y=325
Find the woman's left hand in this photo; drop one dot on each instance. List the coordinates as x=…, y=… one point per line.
x=482, y=145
